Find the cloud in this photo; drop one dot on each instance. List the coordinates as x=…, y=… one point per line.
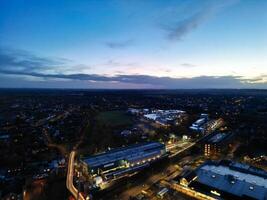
x=187, y=65
x=262, y=79
x=178, y=30
x=24, y=62
x=23, y=67
x=119, y=44
x=153, y=81
x=114, y=63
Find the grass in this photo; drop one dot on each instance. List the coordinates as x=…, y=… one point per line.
x=114, y=118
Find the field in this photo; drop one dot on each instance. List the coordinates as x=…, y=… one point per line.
x=115, y=118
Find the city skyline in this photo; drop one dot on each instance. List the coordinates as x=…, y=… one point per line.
x=133, y=44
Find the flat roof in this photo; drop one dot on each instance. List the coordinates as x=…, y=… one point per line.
x=237, y=181
x=133, y=152
x=151, y=116
x=217, y=137
x=199, y=122
x=241, y=176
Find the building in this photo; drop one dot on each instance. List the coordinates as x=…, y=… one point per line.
x=165, y=117
x=216, y=143
x=212, y=125
x=122, y=162
x=199, y=124
x=227, y=180
x=138, y=111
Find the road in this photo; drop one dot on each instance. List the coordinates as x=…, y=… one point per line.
x=187, y=191
x=156, y=177
x=61, y=148
x=179, y=147
x=133, y=191
x=69, y=180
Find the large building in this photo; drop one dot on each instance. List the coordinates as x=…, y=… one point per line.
x=199, y=124
x=165, y=117
x=123, y=161
x=227, y=180
x=212, y=125
x=216, y=143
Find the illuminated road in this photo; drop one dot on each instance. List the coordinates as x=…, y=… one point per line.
x=156, y=177
x=187, y=191
x=69, y=181
x=161, y=175
x=168, y=173
x=183, y=150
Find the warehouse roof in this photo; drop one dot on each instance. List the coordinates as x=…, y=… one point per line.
x=132, y=152
x=234, y=179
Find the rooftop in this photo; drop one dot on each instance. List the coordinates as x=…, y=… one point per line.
x=235, y=178
x=152, y=116
x=218, y=138
x=124, y=153
x=237, y=175
x=199, y=122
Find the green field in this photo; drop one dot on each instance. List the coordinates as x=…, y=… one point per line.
x=115, y=118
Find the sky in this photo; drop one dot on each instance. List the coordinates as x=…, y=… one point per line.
x=133, y=44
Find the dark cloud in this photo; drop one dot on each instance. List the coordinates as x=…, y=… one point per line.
x=258, y=79
x=153, y=81
x=178, y=30
x=181, y=28
x=25, y=62
x=119, y=44
x=18, y=60
x=21, y=65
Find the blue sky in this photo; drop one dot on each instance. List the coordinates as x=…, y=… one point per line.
x=133, y=44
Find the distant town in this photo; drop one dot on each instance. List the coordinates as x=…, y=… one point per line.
x=133, y=144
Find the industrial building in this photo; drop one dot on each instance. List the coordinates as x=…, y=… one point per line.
x=227, y=180
x=205, y=125
x=122, y=161
x=212, y=125
x=165, y=117
x=199, y=124
x=216, y=143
